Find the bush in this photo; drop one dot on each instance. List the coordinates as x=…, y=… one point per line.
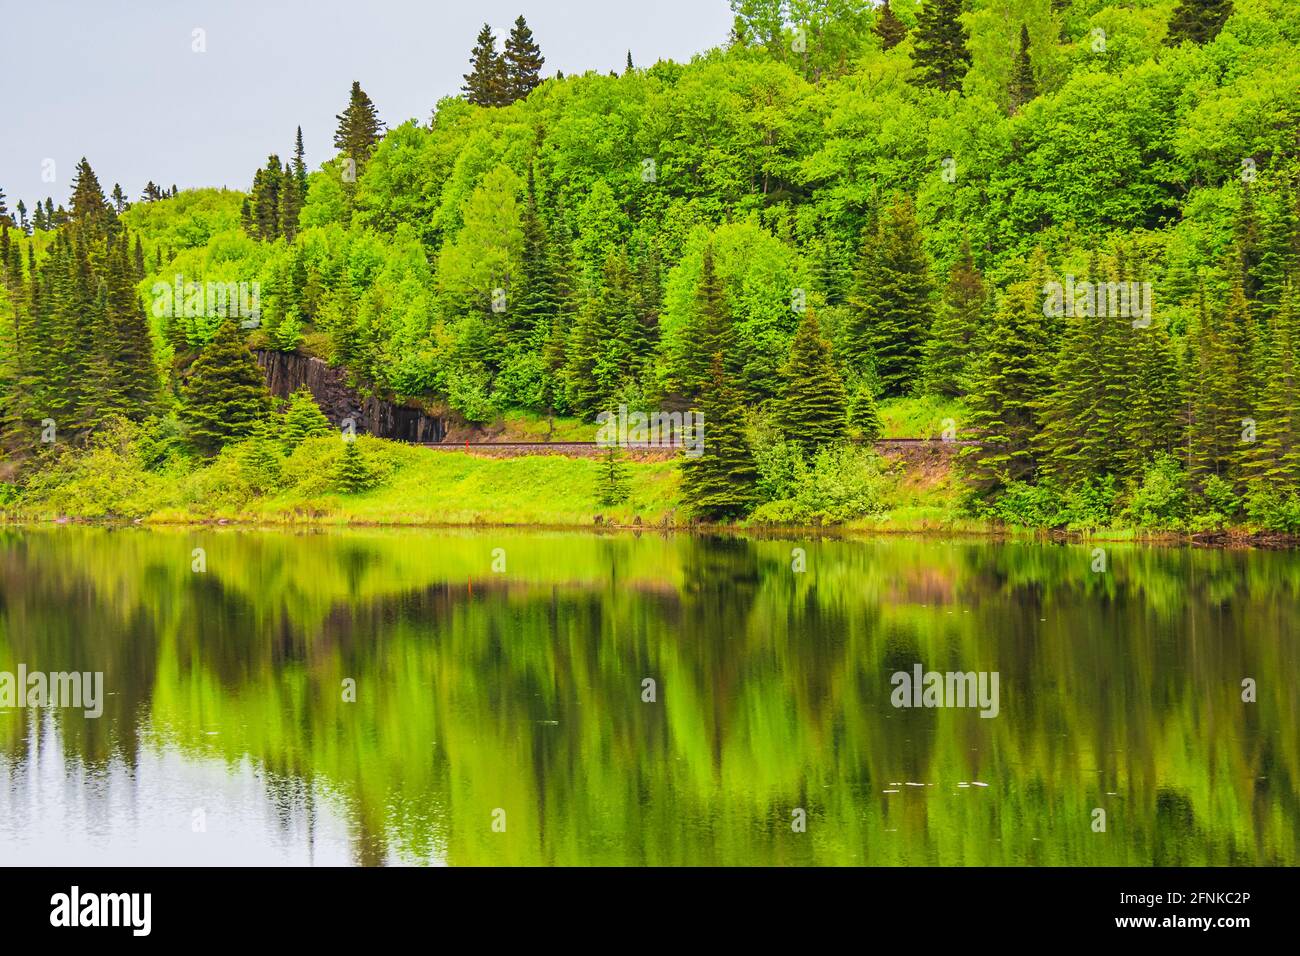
x=1161, y=500
x=841, y=483
x=1271, y=510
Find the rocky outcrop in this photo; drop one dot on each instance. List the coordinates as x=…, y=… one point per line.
x=286, y=372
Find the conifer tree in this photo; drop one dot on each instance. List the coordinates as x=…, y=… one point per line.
x=120, y=205
x=947, y=350
x=888, y=27
x=1010, y=380
x=289, y=205
x=612, y=482
x=352, y=472
x=486, y=82
x=710, y=333
x=1273, y=461
x=89, y=207
x=537, y=302
x=303, y=419
x=864, y=415
x=940, y=53
x=133, y=383
x=224, y=394
x=812, y=411
x=890, y=311
x=522, y=62
x=1197, y=21
x=719, y=483
x=1023, y=86
x=300, y=165
x=23, y=224
x=359, y=128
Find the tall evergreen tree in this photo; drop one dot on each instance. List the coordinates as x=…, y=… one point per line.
x=522, y=62
x=888, y=27
x=359, y=127
x=1023, y=85
x=947, y=350
x=1011, y=378
x=719, y=484
x=300, y=164
x=940, y=53
x=89, y=207
x=812, y=411
x=711, y=331
x=224, y=394
x=486, y=84
x=889, y=307
x=1197, y=21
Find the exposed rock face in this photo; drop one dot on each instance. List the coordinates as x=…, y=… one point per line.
x=286, y=372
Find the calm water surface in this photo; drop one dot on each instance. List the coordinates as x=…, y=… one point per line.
x=484, y=696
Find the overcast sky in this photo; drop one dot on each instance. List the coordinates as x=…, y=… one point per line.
x=119, y=82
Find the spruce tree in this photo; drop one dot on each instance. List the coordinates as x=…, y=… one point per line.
x=359, y=128
x=1023, y=86
x=223, y=395
x=864, y=415
x=23, y=224
x=889, y=307
x=134, y=376
x=888, y=27
x=710, y=330
x=352, y=472
x=947, y=350
x=89, y=207
x=537, y=303
x=940, y=53
x=300, y=165
x=486, y=82
x=522, y=62
x=719, y=484
x=1010, y=380
x=303, y=419
x=1273, y=461
x=1197, y=21
x=812, y=410
x=612, y=481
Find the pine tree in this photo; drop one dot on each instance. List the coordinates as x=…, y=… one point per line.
x=486, y=84
x=889, y=307
x=612, y=483
x=133, y=382
x=352, y=472
x=522, y=62
x=889, y=28
x=120, y=205
x=864, y=415
x=224, y=394
x=1273, y=461
x=1010, y=380
x=303, y=419
x=289, y=205
x=23, y=224
x=38, y=218
x=4, y=210
x=812, y=410
x=947, y=350
x=940, y=52
x=537, y=304
x=1023, y=85
x=300, y=165
x=1197, y=21
x=359, y=128
x=628, y=68
x=719, y=483
x=710, y=331
x=89, y=207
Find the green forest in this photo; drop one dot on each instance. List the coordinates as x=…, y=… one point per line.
x=1062, y=237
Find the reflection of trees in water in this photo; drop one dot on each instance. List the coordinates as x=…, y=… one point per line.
x=523, y=691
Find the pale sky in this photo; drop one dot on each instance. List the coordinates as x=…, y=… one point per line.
x=120, y=83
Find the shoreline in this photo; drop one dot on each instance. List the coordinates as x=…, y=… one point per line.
x=1233, y=539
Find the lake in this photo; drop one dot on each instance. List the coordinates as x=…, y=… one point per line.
x=525, y=698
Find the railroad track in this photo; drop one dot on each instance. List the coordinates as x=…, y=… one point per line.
x=554, y=446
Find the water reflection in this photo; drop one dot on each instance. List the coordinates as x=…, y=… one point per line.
x=522, y=692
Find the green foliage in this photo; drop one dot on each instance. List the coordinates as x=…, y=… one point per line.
x=839, y=483
x=303, y=419
x=612, y=485
x=812, y=406
x=352, y=472
x=223, y=396
x=719, y=482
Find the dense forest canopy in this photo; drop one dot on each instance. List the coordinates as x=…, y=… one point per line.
x=843, y=204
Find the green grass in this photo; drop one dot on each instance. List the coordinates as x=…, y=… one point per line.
x=920, y=417
x=529, y=426
x=447, y=487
